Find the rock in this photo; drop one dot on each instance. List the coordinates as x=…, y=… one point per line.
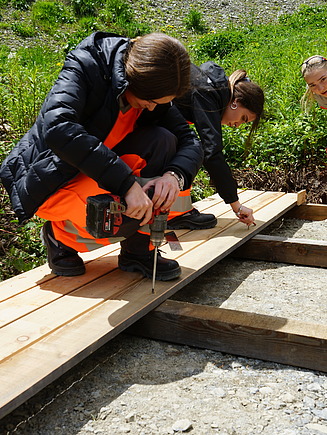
x=318, y=428
x=182, y=425
x=130, y=417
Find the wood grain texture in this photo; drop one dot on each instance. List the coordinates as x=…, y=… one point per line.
x=280, y=249
x=48, y=324
x=311, y=212
x=241, y=333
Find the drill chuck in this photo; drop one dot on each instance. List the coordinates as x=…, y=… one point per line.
x=157, y=229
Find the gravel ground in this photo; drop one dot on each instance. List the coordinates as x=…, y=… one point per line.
x=216, y=14
x=138, y=386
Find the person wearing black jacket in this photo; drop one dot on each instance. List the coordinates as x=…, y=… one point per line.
x=215, y=99
x=107, y=118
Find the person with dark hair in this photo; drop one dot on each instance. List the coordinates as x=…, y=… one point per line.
x=107, y=120
x=214, y=100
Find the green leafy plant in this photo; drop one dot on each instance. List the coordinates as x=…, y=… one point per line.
x=24, y=30
x=22, y=5
x=194, y=21
x=49, y=15
x=86, y=8
x=218, y=45
x=27, y=77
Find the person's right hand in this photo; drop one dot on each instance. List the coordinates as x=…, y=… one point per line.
x=139, y=205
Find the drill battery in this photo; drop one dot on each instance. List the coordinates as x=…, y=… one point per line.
x=104, y=215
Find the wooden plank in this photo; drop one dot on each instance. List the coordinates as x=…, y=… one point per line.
x=311, y=212
x=285, y=250
x=42, y=274
x=58, y=332
x=34, y=295
x=252, y=335
x=301, y=197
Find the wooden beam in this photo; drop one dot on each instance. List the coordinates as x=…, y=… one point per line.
x=279, y=249
x=301, y=197
x=251, y=335
x=311, y=212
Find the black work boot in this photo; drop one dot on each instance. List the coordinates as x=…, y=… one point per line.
x=63, y=261
x=136, y=257
x=192, y=220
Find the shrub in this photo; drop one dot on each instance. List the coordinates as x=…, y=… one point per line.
x=49, y=15
x=24, y=30
x=219, y=45
x=194, y=21
x=22, y=5
x=86, y=8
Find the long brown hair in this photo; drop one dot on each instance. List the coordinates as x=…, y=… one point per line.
x=157, y=66
x=247, y=93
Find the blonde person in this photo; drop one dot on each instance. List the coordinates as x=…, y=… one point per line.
x=314, y=72
x=215, y=100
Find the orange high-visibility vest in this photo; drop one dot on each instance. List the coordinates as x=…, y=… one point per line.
x=66, y=208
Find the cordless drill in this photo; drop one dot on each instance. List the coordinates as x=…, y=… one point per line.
x=104, y=218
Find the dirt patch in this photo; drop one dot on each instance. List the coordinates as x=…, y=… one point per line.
x=313, y=180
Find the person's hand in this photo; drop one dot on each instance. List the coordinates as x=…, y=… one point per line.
x=166, y=191
x=244, y=214
x=139, y=205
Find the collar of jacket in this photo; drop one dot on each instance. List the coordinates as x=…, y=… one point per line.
x=109, y=50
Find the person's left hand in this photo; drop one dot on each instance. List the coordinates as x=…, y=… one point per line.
x=246, y=216
x=166, y=191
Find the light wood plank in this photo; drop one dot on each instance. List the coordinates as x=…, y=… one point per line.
x=57, y=335
x=253, y=335
x=35, y=297
x=197, y=258
x=39, y=275
x=285, y=250
x=42, y=274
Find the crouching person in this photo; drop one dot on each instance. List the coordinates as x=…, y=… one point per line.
x=107, y=120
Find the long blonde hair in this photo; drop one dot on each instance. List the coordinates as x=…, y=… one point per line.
x=311, y=64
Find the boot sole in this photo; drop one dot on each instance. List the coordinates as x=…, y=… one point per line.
x=160, y=276
x=69, y=272
x=189, y=225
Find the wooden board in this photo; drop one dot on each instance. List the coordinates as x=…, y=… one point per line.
x=286, y=250
x=312, y=212
x=48, y=324
x=253, y=335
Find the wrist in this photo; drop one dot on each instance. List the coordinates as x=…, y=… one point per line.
x=179, y=178
x=235, y=206
x=238, y=211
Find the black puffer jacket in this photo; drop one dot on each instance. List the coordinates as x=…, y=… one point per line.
x=204, y=106
x=75, y=118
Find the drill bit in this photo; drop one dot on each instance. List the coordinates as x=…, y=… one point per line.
x=154, y=267
x=157, y=236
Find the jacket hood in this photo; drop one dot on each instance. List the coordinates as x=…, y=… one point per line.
x=109, y=50
x=215, y=73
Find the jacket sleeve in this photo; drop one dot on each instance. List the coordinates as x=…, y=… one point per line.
x=207, y=121
x=78, y=88
x=189, y=155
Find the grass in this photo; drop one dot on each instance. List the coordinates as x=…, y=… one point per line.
x=42, y=32
x=272, y=55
